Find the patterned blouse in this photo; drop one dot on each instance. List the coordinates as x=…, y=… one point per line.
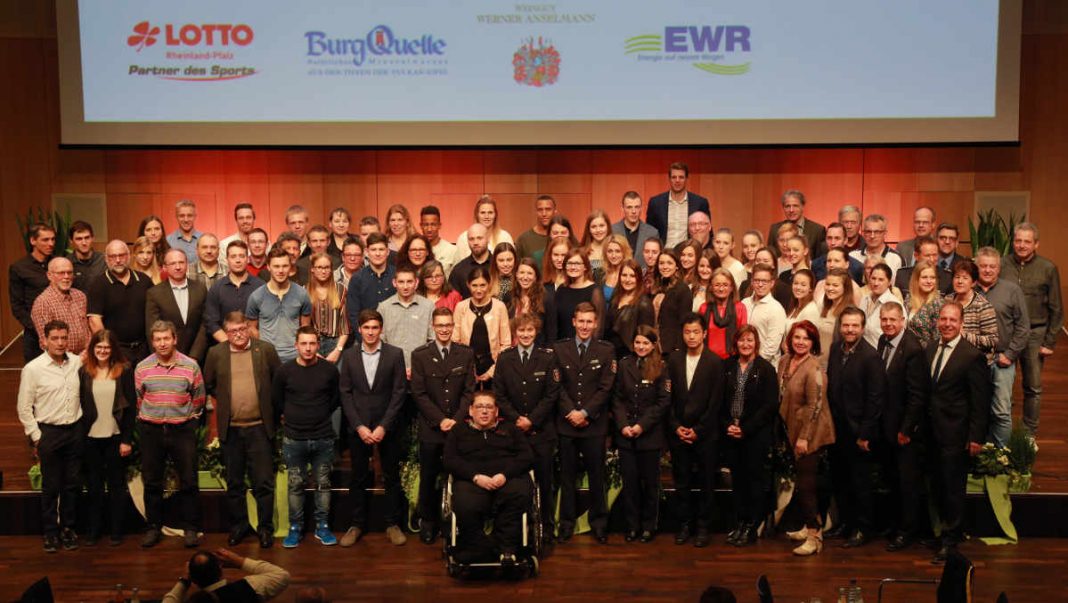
x=980, y=326
x=330, y=322
x=924, y=323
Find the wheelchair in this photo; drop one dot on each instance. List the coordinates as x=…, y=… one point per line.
x=527, y=556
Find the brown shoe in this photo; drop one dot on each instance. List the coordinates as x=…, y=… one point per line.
x=351, y=537
x=396, y=535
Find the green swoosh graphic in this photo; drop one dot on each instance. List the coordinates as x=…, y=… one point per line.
x=645, y=37
x=717, y=69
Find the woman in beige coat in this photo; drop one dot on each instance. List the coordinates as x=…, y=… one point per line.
x=482, y=323
x=809, y=427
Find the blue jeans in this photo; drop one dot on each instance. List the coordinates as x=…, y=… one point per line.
x=298, y=455
x=1001, y=406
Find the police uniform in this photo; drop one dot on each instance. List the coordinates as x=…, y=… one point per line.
x=586, y=385
x=644, y=402
x=531, y=390
x=442, y=389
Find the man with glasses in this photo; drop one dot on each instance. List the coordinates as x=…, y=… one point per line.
x=443, y=382
x=430, y=225
x=875, y=244
x=239, y=373
x=948, y=237
x=257, y=251
x=180, y=301
x=765, y=313
x=117, y=302
x=232, y=292
x=351, y=261
x=922, y=226
x=60, y=301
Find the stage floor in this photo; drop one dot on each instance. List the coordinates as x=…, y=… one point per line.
x=1050, y=471
x=582, y=570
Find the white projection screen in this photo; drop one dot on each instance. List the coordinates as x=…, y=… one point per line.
x=564, y=72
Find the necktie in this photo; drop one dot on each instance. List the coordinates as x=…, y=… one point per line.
x=444, y=353
x=938, y=361
x=582, y=351
x=885, y=348
x=524, y=357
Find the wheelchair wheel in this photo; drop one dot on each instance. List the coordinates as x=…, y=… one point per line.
x=534, y=568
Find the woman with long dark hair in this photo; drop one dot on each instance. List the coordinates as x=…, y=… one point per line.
x=529, y=296
x=723, y=313
x=435, y=287
x=502, y=271
x=578, y=287
x=109, y=405
x=482, y=323
x=673, y=300
x=809, y=427
x=415, y=252
x=638, y=409
x=747, y=417
x=629, y=309
x=152, y=229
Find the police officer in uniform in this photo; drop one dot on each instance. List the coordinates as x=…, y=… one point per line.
x=587, y=371
x=443, y=383
x=638, y=408
x=527, y=389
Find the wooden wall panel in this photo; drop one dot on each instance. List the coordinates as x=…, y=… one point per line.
x=510, y=171
x=294, y=178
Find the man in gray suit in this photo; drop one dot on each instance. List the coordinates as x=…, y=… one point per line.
x=632, y=227
x=181, y=301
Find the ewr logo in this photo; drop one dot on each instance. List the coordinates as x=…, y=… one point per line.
x=144, y=35
x=216, y=34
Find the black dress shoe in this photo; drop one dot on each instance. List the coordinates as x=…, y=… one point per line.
x=702, y=539
x=747, y=536
x=839, y=531
x=428, y=534
x=565, y=533
x=238, y=535
x=898, y=543
x=151, y=538
x=601, y=536
x=941, y=556
x=683, y=534
x=630, y=536
x=266, y=538
x=732, y=536
x=858, y=539
x=647, y=536
x=51, y=543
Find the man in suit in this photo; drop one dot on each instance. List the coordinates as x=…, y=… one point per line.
x=373, y=389
x=443, y=381
x=948, y=237
x=633, y=228
x=908, y=384
x=239, y=373
x=922, y=226
x=527, y=391
x=180, y=301
x=793, y=209
x=926, y=250
x=856, y=392
x=670, y=211
x=587, y=370
x=695, y=381
x=959, y=407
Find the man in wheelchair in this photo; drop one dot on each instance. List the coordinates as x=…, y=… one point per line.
x=490, y=461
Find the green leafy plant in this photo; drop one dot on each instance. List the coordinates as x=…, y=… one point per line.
x=1014, y=460
x=60, y=222
x=993, y=231
x=1022, y=451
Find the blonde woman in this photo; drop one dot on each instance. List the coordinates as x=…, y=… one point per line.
x=399, y=226
x=487, y=215
x=752, y=241
x=837, y=296
x=924, y=302
x=616, y=251
x=723, y=243
x=553, y=263
x=594, y=237
x=143, y=259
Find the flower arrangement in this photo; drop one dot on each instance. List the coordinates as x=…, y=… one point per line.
x=1014, y=460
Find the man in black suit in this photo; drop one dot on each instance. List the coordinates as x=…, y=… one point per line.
x=181, y=301
x=373, y=389
x=443, y=382
x=527, y=390
x=695, y=381
x=908, y=384
x=856, y=392
x=586, y=368
x=669, y=211
x=926, y=250
x=793, y=209
x=959, y=408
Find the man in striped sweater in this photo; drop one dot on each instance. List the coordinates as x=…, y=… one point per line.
x=170, y=400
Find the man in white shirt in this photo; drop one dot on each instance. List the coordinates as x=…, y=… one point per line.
x=245, y=217
x=765, y=313
x=50, y=410
x=875, y=244
x=430, y=225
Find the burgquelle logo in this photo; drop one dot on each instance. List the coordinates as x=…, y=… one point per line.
x=693, y=43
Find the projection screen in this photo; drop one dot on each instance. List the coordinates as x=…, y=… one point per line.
x=569, y=72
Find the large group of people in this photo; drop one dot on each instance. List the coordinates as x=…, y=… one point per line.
x=510, y=354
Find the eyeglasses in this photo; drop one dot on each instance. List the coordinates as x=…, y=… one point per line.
x=761, y=281
x=435, y=276
x=575, y=265
x=322, y=267
x=869, y=231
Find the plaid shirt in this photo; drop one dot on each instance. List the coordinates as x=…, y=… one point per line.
x=71, y=308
